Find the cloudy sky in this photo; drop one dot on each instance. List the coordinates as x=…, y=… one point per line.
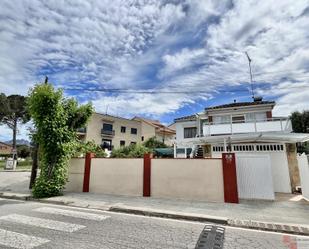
x=163, y=59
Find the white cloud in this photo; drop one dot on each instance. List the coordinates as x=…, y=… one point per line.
x=167, y=45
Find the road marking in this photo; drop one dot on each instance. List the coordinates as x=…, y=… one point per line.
x=75, y=214
x=20, y=241
x=45, y=223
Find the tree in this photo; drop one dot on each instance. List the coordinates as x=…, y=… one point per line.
x=13, y=110
x=153, y=143
x=300, y=123
x=56, y=120
x=23, y=151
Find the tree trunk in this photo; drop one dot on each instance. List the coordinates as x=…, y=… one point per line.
x=14, y=139
x=35, y=165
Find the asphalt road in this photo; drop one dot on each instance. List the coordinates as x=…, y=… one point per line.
x=35, y=225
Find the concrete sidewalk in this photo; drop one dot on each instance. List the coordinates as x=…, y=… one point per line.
x=266, y=211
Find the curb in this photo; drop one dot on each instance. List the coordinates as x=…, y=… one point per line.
x=274, y=227
x=294, y=229
x=174, y=215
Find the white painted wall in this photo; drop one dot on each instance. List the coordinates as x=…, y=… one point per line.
x=179, y=129
x=192, y=179
x=76, y=175
x=304, y=174
x=119, y=176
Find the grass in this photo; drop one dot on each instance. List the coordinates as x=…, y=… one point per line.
x=27, y=164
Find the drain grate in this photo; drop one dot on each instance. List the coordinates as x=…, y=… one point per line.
x=212, y=237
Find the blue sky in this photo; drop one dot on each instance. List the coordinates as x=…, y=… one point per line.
x=192, y=49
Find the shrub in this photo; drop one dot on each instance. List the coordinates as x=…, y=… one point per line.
x=131, y=151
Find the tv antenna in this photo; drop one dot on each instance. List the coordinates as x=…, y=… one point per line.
x=250, y=71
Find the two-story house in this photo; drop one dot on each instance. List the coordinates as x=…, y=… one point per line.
x=112, y=132
x=153, y=128
x=246, y=128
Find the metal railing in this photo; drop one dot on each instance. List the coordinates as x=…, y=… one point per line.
x=82, y=130
x=107, y=132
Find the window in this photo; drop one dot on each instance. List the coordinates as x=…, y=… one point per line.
x=189, y=132
x=132, y=143
x=122, y=143
x=238, y=119
x=222, y=119
x=133, y=131
x=123, y=129
x=107, y=127
x=261, y=116
x=142, y=138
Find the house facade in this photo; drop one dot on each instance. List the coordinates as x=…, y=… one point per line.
x=248, y=129
x=153, y=128
x=112, y=132
x=5, y=149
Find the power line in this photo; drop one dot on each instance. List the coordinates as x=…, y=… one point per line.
x=156, y=91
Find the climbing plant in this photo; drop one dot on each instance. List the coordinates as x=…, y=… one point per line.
x=56, y=120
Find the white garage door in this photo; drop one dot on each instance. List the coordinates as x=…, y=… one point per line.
x=254, y=176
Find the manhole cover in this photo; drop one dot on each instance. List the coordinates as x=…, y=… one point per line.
x=211, y=238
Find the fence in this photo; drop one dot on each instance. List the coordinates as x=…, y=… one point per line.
x=192, y=179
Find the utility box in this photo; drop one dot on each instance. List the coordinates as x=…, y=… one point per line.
x=10, y=164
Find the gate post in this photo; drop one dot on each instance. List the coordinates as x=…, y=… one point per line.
x=147, y=175
x=87, y=172
x=230, y=178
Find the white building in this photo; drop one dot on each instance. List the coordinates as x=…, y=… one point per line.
x=250, y=130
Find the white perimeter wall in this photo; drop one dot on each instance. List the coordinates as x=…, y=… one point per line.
x=304, y=174
x=121, y=176
x=76, y=175
x=193, y=179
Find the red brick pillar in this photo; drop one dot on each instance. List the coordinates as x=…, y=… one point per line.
x=87, y=172
x=229, y=178
x=147, y=175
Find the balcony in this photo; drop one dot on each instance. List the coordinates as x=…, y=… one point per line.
x=81, y=130
x=107, y=132
x=269, y=125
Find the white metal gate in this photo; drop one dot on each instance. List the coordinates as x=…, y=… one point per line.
x=254, y=176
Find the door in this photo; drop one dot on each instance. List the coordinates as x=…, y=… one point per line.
x=254, y=176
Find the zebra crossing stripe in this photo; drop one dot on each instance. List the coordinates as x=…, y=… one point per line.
x=71, y=213
x=20, y=241
x=44, y=223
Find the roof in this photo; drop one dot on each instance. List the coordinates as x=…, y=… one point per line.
x=186, y=118
x=156, y=124
x=111, y=116
x=240, y=104
x=6, y=144
x=266, y=137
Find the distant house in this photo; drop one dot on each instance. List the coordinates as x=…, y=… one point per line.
x=113, y=132
x=153, y=128
x=5, y=149
x=250, y=130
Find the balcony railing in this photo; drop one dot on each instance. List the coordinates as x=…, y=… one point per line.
x=82, y=130
x=107, y=132
x=272, y=124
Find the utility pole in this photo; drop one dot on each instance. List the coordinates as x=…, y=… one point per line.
x=250, y=71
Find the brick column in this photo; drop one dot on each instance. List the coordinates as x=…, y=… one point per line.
x=147, y=175
x=229, y=178
x=87, y=172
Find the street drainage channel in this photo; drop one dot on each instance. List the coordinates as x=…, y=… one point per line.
x=212, y=237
